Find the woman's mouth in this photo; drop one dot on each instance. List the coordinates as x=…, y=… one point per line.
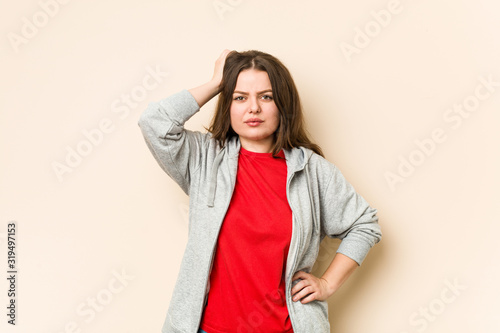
x=253, y=123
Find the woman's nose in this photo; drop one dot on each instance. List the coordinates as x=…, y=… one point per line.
x=254, y=105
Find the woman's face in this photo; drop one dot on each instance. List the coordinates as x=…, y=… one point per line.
x=253, y=98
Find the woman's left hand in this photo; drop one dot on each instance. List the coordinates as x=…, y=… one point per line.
x=311, y=286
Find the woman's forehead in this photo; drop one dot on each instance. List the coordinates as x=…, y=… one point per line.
x=252, y=80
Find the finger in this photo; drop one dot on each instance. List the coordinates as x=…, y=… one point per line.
x=299, y=286
x=303, y=278
x=302, y=293
x=224, y=55
x=309, y=298
x=300, y=274
x=222, y=58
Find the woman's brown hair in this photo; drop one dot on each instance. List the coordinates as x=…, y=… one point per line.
x=291, y=130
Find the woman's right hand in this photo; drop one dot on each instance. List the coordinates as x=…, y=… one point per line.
x=202, y=94
x=219, y=67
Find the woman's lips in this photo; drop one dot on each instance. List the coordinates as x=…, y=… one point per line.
x=253, y=123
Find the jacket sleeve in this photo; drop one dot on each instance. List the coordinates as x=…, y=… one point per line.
x=347, y=216
x=177, y=150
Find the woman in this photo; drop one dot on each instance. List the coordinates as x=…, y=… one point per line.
x=262, y=197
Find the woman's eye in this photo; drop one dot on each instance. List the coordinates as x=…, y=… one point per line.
x=266, y=97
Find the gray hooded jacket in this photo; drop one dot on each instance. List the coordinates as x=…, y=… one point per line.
x=321, y=200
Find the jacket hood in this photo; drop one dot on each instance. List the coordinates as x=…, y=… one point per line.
x=296, y=158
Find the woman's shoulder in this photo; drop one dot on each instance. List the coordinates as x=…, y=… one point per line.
x=315, y=158
x=321, y=164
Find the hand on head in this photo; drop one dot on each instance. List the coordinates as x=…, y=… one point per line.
x=219, y=66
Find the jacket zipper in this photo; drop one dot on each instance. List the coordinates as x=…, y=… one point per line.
x=294, y=262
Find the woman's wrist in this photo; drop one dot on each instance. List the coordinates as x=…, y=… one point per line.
x=214, y=86
x=331, y=286
x=202, y=94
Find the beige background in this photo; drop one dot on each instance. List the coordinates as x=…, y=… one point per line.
x=117, y=212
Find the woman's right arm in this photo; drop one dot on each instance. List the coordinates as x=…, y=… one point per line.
x=202, y=94
x=176, y=149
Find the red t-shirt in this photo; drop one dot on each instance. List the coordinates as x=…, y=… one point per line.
x=247, y=283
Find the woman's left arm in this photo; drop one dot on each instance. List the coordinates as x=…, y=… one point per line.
x=322, y=288
x=346, y=215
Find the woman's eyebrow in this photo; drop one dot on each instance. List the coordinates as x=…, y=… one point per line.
x=259, y=92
